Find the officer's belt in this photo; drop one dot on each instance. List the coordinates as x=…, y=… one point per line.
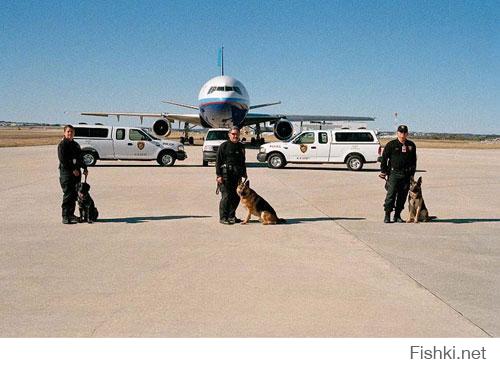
x=402, y=171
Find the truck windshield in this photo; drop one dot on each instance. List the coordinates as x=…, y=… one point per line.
x=217, y=135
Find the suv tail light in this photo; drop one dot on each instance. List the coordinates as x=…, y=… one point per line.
x=379, y=150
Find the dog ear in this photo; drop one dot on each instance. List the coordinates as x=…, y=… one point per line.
x=419, y=181
x=247, y=183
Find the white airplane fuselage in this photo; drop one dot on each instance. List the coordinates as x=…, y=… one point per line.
x=223, y=102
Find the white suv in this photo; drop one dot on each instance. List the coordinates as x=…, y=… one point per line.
x=353, y=147
x=213, y=139
x=100, y=142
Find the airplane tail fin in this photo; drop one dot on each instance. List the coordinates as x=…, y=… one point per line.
x=220, y=60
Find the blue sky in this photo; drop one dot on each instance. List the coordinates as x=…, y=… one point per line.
x=434, y=62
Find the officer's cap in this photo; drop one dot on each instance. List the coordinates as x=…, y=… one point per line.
x=403, y=129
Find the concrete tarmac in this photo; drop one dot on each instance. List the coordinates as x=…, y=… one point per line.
x=159, y=264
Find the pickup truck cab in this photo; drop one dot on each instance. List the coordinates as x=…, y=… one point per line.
x=100, y=142
x=352, y=147
x=213, y=139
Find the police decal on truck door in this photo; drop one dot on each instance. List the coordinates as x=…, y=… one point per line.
x=302, y=149
x=142, y=146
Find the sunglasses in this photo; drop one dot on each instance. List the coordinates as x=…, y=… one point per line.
x=234, y=133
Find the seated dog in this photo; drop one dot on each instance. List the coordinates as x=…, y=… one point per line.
x=88, y=211
x=257, y=206
x=416, y=204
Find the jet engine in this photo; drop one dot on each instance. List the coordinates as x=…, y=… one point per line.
x=283, y=129
x=162, y=128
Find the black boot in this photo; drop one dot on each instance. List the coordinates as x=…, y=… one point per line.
x=68, y=220
x=397, y=217
x=387, y=218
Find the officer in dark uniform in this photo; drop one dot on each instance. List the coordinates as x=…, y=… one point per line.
x=70, y=163
x=230, y=168
x=399, y=163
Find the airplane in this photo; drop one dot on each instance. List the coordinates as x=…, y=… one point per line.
x=224, y=102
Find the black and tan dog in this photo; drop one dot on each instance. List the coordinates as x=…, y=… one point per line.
x=88, y=211
x=416, y=204
x=257, y=206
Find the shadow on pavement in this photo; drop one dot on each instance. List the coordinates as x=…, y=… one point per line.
x=327, y=168
x=464, y=220
x=138, y=220
x=315, y=219
x=152, y=165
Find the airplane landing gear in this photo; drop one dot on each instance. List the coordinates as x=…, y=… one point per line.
x=258, y=140
x=189, y=140
x=186, y=137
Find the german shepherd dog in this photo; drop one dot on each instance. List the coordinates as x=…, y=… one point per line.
x=88, y=211
x=257, y=206
x=416, y=204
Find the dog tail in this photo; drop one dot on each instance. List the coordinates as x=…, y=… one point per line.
x=432, y=218
x=281, y=221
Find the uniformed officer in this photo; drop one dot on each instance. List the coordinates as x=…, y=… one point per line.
x=399, y=162
x=70, y=163
x=230, y=168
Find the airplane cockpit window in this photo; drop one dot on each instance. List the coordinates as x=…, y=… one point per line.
x=237, y=90
x=211, y=90
x=220, y=88
x=227, y=88
x=305, y=138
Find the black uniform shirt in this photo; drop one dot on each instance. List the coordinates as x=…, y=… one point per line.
x=230, y=153
x=400, y=157
x=70, y=155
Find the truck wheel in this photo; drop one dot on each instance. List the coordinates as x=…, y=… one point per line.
x=166, y=159
x=182, y=140
x=205, y=163
x=276, y=161
x=354, y=163
x=90, y=158
x=191, y=140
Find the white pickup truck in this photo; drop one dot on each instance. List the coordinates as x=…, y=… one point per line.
x=352, y=147
x=100, y=142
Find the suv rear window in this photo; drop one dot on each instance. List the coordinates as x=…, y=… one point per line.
x=217, y=135
x=354, y=137
x=91, y=132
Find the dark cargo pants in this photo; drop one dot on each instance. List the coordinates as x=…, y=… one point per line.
x=230, y=199
x=68, y=183
x=398, y=186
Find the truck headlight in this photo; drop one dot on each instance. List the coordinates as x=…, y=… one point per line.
x=181, y=148
x=208, y=148
x=262, y=150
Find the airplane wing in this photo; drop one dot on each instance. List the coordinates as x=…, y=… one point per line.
x=252, y=118
x=188, y=118
x=264, y=105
